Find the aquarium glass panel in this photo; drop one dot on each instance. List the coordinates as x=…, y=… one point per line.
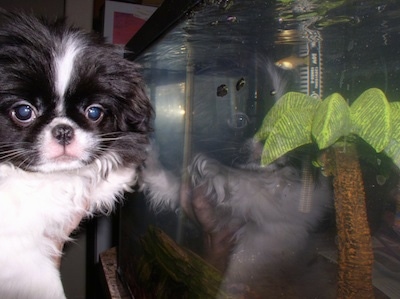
x=273, y=169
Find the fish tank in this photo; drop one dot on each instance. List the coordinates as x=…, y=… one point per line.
x=273, y=169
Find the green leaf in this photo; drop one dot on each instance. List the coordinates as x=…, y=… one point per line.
x=370, y=116
x=331, y=121
x=392, y=150
x=295, y=101
x=290, y=131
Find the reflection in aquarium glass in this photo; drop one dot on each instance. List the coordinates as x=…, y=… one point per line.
x=274, y=163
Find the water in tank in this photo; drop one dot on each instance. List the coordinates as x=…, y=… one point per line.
x=273, y=166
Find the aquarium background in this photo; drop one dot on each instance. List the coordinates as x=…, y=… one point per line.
x=212, y=76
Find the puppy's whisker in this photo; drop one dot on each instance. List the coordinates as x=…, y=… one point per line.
x=24, y=162
x=8, y=155
x=12, y=144
x=115, y=134
x=221, y=150
x=110, y=136
x=111, y=139
x=10, y=148
x=7, y=152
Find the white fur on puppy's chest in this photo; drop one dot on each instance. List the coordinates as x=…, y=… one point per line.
x=36, y=208
x=31, y=198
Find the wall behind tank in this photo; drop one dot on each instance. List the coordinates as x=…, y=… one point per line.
x=49, y=8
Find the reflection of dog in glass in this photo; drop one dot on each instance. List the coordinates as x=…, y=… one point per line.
x=256, y=220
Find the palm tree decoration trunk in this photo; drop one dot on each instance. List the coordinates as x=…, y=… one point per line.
x=355, y=255
x=297, y=119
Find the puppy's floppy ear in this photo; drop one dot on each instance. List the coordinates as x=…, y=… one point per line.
x=142, y=105
x=136, y=108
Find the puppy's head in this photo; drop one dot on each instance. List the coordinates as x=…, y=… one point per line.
x=66, y=98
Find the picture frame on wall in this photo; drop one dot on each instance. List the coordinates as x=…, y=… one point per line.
x=122, y=20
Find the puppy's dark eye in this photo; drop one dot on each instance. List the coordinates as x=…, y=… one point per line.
x=23, y=114
x=94, y=113
x=239, y=121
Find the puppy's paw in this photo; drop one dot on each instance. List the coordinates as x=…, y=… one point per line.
x=152, y=163
x=211, y=174
x=160, y=185
x=203, y=168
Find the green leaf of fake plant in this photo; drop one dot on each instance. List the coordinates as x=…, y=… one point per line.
x=370, y=116
x=295, y=101
x=392, y=150
x=291, y=130
x=331, y=121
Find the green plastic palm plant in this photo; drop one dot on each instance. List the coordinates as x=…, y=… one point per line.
x=297, y=119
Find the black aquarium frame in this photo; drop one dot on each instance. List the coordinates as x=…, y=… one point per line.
x=168, y=14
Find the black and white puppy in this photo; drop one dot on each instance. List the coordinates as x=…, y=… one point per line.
x=74, y=119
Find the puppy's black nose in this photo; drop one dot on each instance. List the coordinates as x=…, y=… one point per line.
x=63, y=134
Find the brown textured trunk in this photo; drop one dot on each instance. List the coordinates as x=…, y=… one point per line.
x=355, y=256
